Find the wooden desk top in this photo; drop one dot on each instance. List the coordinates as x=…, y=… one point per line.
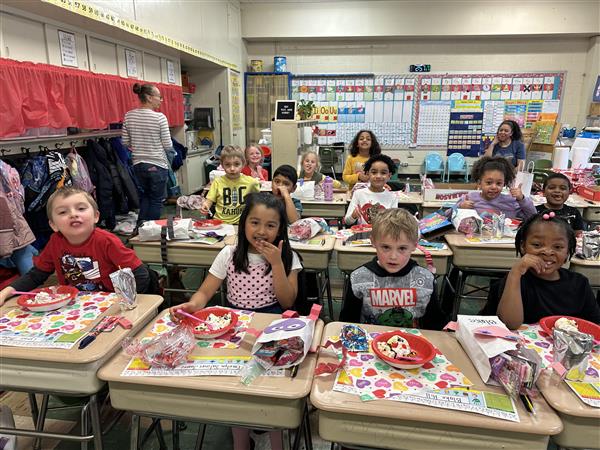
x=563, y=399
x=338, y=197
x=340, y=247
x=274, y=387
x=327, y=246
x=576, y=261
x=545, y=422
x=103, y=344
x=411, y=198
x=459, y=240
x=135, y=242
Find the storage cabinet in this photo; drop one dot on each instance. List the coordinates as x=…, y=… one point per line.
x=288, y=142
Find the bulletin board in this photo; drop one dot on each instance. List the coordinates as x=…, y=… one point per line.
x=458, y=111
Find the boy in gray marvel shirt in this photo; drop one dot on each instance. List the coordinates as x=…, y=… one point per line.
x=392, y=289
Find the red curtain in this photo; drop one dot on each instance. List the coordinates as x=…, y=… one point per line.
x=40, y=95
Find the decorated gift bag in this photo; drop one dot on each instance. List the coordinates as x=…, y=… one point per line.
x=480, y=339
x=524, y=179
x=151, y=230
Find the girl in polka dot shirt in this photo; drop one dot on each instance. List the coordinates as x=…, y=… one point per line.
x=261, y=270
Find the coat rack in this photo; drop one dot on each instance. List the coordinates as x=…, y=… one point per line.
x=13, y=147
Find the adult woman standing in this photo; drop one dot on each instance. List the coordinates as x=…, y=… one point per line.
x=507, y=143
x=146, y=133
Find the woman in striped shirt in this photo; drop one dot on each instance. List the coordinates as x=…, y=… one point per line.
x=146, y=133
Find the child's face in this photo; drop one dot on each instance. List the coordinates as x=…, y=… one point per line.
x=393, y=254
x=279, y=181
x=548, y=241
x=233, y=167
x=262, y=223
x=491, y=184
x=556, y=193
x=254, y=156
x=364, y=142
x=504, y=132
x=310, y=164
x=74, y=217
x=379, y=175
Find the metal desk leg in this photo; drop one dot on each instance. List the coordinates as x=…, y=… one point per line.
x=458, y=294
x=329, y=296
x=95, y=419
x=85, y=425
x=41, y=419
x=307, y=431
x=175, y=434
x=134, y=438
x=34, y=408
x=200, y=437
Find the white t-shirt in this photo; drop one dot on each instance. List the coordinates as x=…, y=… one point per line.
x=387, y=199
x=221, y=262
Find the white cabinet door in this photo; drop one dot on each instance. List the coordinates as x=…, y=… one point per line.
x=152, y=69
x=22, y=39
x=103, y=56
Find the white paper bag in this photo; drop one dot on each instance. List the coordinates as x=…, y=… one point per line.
x=525, y=179
x=150, y=230
x=305, y=190
x=467, y=221
x=481, y=348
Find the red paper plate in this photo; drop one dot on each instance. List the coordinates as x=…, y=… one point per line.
x=204, y=313
x=28, y=302
x=207, y=224
x=424, y=349
x=163, y=222
x=585, y=326
x=361, y=228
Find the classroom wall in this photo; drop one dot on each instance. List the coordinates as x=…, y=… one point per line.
x=307, y=19
x=576, y=55
x=213, y=26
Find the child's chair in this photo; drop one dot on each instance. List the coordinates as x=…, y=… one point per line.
x=457, y=164
x=541, y=169
x=434, y=163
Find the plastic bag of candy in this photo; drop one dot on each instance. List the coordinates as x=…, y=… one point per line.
x=303, y=229
x=165, y=350
x=123, y=281
x=467, y=221
x=516, y=370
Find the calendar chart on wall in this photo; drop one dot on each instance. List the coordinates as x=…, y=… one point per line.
x=345, y=104
x=459, y=111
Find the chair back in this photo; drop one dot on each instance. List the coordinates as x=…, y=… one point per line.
x=433, y=162
x=456, y=162
x=542, y=164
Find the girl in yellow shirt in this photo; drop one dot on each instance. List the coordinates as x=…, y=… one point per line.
x=363, y=146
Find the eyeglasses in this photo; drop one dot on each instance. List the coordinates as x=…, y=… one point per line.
x=158, y=96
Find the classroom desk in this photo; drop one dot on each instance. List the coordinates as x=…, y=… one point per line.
x=410, y=198
x=480, y=256
x=320, y=208
x=344, y=418
x=430, y=206
x=350, y=258
x=268, y=402
x=70, y=372
x=581, y=422
x=589, y=268
x=178, y=252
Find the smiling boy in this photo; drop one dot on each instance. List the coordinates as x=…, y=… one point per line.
x=556, y=190
x=229, y=191
x=391, y=289
x=81, y=254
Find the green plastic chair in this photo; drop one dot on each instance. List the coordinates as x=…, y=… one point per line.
x=541, y=169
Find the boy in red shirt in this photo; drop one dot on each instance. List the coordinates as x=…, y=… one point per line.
x=81, y=254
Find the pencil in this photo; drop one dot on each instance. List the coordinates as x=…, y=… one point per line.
x=294, y=371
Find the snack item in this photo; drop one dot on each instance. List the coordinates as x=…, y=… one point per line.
x=396, y=347
x=165, y=350
x=41, y=298
x=566, y=324
x=369, y=210
x=214, y=322
x=354, y=338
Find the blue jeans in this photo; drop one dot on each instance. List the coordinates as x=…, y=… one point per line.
x=152, y=183
x=21, y=259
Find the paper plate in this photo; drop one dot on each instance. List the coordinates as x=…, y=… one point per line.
x=28, y=302
x=203, y=314
x=585, y=326
x=424, y=349
x=208, y=224
x=361, y=228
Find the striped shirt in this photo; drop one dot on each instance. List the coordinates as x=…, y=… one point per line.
x=146, y=133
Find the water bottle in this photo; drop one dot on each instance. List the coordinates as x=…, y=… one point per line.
x=328, y=189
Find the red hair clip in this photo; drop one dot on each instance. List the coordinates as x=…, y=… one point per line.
x=549, y=215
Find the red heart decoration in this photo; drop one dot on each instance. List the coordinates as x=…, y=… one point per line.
x=89, y=304
x=352, y=353
x=52, y=331
x=370, y=373
x=218, y=345
x=73, y=318
x=441, y=384
x=379, y=393
x=427, y=365
x=22, y=316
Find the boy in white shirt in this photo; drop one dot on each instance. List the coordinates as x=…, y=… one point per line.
x=366, y=202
